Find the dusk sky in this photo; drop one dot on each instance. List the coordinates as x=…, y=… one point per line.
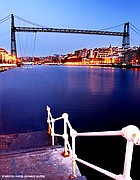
x=76, y=14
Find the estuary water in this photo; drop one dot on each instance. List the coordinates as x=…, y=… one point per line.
x=96, y=99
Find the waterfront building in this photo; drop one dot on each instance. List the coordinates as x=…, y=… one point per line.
x=132, y=56
x=5, y=57
x=102, y=55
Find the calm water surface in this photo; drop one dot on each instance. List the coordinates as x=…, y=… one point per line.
x=96, y=99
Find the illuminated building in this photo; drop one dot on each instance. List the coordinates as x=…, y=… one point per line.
x=7, y=58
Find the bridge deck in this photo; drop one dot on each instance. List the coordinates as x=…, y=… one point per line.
x=74, y=31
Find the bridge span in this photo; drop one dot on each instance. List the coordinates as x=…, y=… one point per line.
x=125, y=34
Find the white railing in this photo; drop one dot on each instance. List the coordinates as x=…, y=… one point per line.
x=131, y=133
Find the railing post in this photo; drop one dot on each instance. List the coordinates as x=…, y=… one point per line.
x=130, y=133
x=65, y=135
x=48, y=120
x=50, y=129
x=52, y=133
x=128, y=160
x=73, y=135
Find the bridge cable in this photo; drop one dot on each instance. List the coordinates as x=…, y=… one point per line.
x=4, y=19
x=34, y=43
x=27, y=21
x=135, y=31
x=35, y=24
x=135, y=27
x=112, y=27
x=26, y=48
x=23, y=42
x=19, y=43
x=26, y=45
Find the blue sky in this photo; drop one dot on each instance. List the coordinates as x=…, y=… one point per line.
x=77, y=14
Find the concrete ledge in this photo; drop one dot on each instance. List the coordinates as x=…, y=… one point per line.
x=30, y=156
x=49, y=164
x=24, y=141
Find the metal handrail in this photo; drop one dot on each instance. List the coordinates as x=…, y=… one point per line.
x=131, y=133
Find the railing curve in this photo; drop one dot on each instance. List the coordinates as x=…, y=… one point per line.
x=131, y=133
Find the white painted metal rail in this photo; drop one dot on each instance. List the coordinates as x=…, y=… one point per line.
x=131, y=133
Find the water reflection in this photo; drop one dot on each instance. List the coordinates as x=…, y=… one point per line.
x=87, y=93
x=101, y=80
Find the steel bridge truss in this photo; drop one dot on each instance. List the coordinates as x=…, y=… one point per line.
x=75, y=31
x=125, y=34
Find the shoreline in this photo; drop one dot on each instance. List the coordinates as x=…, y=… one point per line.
x=126, y=66
x=5, y=67
x=118, y=66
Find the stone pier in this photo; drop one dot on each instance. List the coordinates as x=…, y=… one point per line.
x=29, y=156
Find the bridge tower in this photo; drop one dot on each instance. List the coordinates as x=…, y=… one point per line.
x=13, y=37
x=126, y=36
